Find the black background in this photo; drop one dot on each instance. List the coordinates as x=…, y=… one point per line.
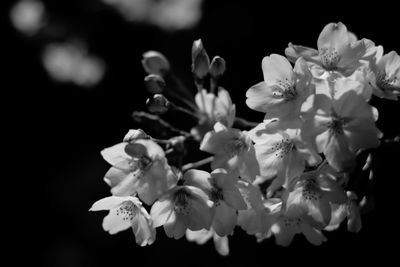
x=58, y=130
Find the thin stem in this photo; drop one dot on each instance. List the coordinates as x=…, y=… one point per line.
x=243, y=123
x=197, y=164
x=184, y=110
x=139, y=115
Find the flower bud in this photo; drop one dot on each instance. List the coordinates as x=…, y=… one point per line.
x=217, y=67
x=158, y=104
x=135, y=134
x=200, y=60
x=154, y=83
x=155, y=63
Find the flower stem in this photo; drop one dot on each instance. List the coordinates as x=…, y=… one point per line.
x=243, y=123
x=197, y=164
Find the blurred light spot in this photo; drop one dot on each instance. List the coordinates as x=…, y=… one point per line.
x=28, y=16
x=170, y=15
x=71, y=62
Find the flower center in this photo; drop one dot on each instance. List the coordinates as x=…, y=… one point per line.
x=285, y=90
x=235, y=147
x=329, y=58
x=216, y=194
x=282, y=148
x=126, y=210
x=182, y=203
x=335, y=126
x=385, y=82
x=311, y=190
x=291, y=222
x=140, y=165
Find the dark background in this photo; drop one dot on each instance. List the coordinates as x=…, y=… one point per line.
x=59, y=130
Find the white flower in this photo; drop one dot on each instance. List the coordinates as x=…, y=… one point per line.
x=338, y=52
x=221, y=189
x=311, y=195
x=258, y=218
x=127, y=212
x=181, y=208
x=138, y=167
x=213, y=108
x=280, y=152
x=232, y=149
x=342, y=125
x=283, y=90
x=385, y=79
x=285, y=228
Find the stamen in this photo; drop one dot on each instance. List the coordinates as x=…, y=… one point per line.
x=282, y=148
x=235, y=147
x=291, y=222
x=127, y=211
x=385, y=82
x=216, y=194
x=311, y=190
x=336, y=125
x=285, y=89
x=329, y=58
x=182, y=202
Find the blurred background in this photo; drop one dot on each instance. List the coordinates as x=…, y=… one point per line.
x=74, y=69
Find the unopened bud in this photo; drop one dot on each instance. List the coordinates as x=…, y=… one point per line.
x=158, y=104
x=154, y=83
x=217, y=67
x=200, y=60
x=155, y=63
x=135, y=135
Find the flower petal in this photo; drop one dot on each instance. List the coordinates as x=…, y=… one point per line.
x=313, y=236
x=221, y=244
x=224, y=219
x=215, y=142
x=293, y=52
x=234, y=199
x=198, y=178
x=334, y=35
x=117, y=156
x=155, y=181
x=361, y=134
x=145, y=233
x=260, y=97
x=114, y=176
x=114, y=223
x=108, y=203
x=161, y=211
x=200, y=236
x=276, y=68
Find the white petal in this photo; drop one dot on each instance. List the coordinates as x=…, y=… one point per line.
x=109, y=203
x=313, y=236
x=276, y=68
x=161, y=211
x=224, y=219
x=113, y=223
x=145, y=233
x=117, y=156
x=221, y=245
x=234, y=199
x=200, y=236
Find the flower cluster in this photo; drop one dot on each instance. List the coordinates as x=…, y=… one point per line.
x=293, y=173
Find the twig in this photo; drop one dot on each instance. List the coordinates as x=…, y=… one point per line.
x=197, y=164
x=243, y=123
x=139, y=115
